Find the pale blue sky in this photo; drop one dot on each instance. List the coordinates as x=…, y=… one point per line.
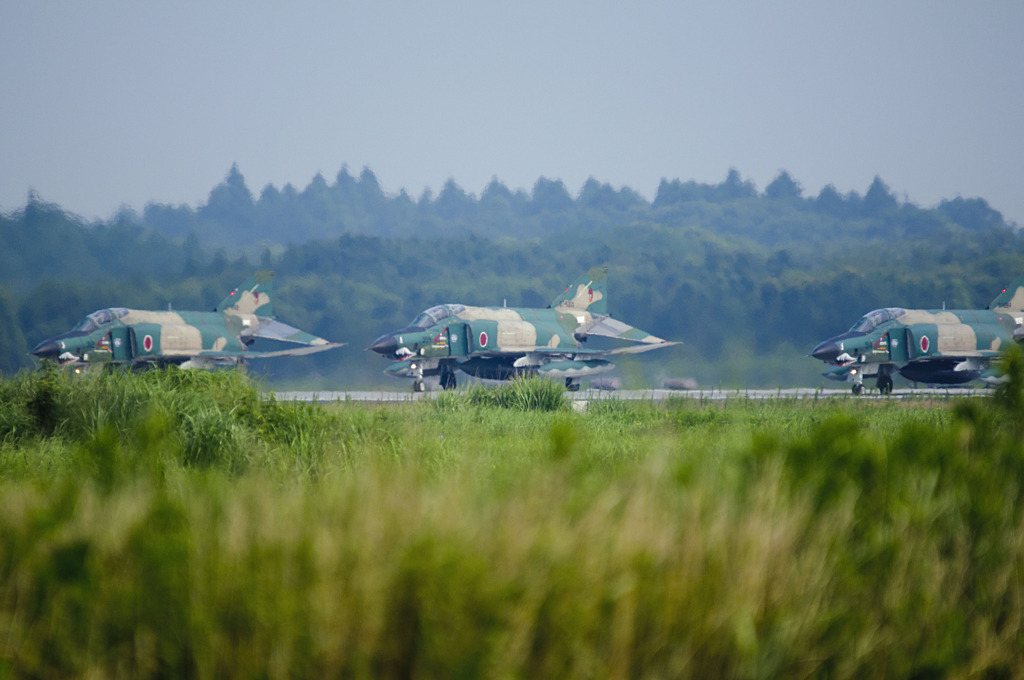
x=110, y=103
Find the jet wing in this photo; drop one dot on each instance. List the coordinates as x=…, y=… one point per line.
x=272, y=329
x=632, y=349
x=290, y=352
x=959, y=354
x=608, y=327
x=578, y=351
x=604, y=326
x=232, y=357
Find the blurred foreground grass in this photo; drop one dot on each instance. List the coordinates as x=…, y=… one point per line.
x=177, y=523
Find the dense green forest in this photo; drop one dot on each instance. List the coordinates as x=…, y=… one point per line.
x=748, y=280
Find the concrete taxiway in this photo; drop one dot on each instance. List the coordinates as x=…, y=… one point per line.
x=382, y=397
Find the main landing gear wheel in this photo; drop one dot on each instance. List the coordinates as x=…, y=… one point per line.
x=448, y=380
x=884, y=384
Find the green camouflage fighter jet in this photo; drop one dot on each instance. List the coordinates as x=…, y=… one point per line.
x=499, y=343
x=932, y=346
x=133, y=337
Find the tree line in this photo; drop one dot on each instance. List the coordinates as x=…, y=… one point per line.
x=233, y=216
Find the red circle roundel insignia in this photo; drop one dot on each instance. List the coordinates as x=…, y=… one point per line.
x=924, y=344
x=147, y=343
x=483, y=339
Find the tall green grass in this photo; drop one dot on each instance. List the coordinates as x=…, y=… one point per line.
x=519, y=394
x=182, y=524
x=195, y=420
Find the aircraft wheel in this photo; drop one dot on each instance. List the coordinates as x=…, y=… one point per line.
x=885, y=385
x=448, y=380
x=418, y=386
x=857, y=388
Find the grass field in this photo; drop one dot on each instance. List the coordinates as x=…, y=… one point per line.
x=179, y=524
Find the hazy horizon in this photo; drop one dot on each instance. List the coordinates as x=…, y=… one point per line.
x=117, y=104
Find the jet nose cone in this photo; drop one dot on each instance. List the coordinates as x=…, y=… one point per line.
x=47, y=349
x=385, y=344
x=826, y=351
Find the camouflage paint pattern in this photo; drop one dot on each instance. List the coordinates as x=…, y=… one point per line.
x=119, y=335
x=501, y=342
x=935, y=346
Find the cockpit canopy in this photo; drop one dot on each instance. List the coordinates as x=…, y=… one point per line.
x=98, y=318
x=436, y=315
x=872, y=320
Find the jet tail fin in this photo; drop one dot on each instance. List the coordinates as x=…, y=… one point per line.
x=1012, y=297
x=587, y=293
x=255, y=296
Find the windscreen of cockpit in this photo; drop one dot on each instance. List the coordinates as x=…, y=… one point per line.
x=434, y=315
x=872, y=320
x=98, y=318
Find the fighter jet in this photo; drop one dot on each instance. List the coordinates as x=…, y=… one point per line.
x=933, y=346
x=499, y=343
x=139, y=338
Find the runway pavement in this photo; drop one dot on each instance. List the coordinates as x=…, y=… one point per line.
x=382, y=397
